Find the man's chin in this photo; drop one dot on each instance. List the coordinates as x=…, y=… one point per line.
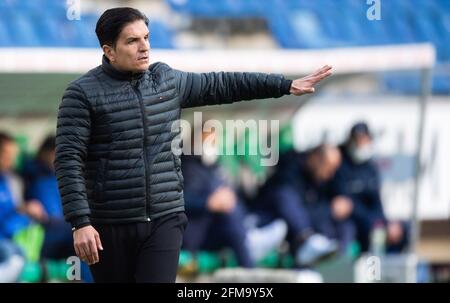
x=142, y=67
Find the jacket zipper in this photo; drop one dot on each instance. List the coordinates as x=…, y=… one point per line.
x=146, y=162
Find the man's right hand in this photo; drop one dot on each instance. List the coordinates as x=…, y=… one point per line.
x=87, y=242
x=36, y=210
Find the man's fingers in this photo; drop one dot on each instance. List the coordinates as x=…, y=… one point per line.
x=81, y=253
x=320, y=77
x=98, y=242
x=87, y=252
x=306, y=84
x=309, y=90
x=322, y=70
x=94, y=251
x=77, y=251
x=324, y=75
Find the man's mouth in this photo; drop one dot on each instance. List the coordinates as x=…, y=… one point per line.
x=143, y=58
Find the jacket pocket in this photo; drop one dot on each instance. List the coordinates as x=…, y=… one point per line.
x=100, y=180
x=177, y=168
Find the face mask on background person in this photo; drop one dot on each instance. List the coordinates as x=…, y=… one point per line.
x=360, y=154
x=210, y=154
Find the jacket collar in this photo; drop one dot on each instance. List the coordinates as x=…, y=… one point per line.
x=119, y=75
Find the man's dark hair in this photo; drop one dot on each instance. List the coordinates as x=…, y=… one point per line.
x=113, y=20
x=5, y=138
x=360, y=128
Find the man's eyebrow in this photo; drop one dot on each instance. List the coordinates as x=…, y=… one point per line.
x=134, y=37
x=131, y=38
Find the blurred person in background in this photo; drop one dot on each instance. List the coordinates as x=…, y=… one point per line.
x=11, y=257
x=43, y=204
x=18, y=218
x=300, y=193
x=41, y=188
x=119, y=181
x=357, y=180
x=11, y=220
x=216, y=215
x=12, y=261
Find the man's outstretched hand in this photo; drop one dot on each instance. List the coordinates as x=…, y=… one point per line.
x=306, y=84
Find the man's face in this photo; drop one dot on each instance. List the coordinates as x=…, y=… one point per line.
x=48, y=158
x=360, y=148
x=131, y=52
x=210, y=147
x=362, y=141
x=325, y=167
x=8, y=155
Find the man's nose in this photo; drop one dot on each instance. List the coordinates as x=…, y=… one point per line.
x=144, y=45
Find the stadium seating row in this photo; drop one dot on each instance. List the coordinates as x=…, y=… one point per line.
x=295, y=24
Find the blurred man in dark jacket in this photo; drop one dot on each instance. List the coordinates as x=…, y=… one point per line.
x=217, y=216
x=41, y=187
x=300, y=193
x=358, y=179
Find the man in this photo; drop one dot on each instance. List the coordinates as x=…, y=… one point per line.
x=11, y=220
x=19, y=220
x=358, y=179
x=121, y=186
x=300, y=193
x=43, y=204
x=11, y=261
x=41, y=188
x=217, y=216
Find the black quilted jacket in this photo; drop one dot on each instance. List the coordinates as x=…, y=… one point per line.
x=113, y=144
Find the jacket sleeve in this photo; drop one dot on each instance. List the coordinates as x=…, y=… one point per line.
x=228, y=87
x=72, y=139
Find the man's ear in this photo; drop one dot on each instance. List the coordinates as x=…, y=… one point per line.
x=109, y=52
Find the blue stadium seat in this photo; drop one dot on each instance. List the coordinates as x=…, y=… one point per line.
x=160, y=35
x=294, y=24
x=5, y=37
x=21, y=29
x=47, y=30
x=410, y=82
x=223, y=8
x=86, y=28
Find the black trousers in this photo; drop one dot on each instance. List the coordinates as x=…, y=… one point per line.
x=146, y=252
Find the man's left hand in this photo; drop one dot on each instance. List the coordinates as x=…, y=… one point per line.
x=341, y=207
x=306, y=84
